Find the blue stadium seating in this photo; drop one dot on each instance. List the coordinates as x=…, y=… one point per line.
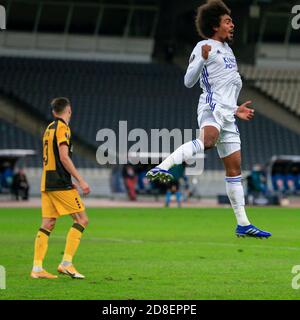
x=13, y=137
x=146, y=95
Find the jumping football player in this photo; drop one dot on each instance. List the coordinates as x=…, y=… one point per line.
x=59, y=195
x=213, y=63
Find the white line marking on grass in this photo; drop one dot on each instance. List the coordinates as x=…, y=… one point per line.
x=220, y=244
x=106, y=239
x=117, y=240
x=251, y=246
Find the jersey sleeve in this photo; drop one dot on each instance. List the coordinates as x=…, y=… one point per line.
x=63, y=134
x=195, y=67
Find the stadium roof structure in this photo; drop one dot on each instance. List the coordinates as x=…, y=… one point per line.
x=14, y=156
x=291, y=158
x=16, y=153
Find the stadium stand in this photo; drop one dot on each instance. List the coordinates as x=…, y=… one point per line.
x=13, y=137
x=282, y=85
x=147, y=95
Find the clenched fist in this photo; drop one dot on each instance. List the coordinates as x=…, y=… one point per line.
x=205, y=51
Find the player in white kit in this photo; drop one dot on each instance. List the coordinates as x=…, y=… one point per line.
x=213, y=64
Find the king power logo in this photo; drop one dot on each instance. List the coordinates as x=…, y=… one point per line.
x=2, y=18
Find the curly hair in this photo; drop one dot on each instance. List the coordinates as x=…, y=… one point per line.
x=208, y=17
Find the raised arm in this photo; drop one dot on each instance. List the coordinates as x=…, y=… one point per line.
x=196, y=64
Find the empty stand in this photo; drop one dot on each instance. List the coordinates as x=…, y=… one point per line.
x=13, y=137
x=146, y=95
x=282, y=85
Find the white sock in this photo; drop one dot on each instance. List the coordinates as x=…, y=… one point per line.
x=182, y=153
x=66, y=263
x=236, y=196
x=37, y=269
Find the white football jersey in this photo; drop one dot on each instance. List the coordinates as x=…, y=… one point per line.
x=218, y=76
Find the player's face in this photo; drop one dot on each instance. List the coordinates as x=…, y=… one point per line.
x=226, y=29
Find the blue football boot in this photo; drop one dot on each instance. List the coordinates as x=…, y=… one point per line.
x=160, y=175
x=251, y=231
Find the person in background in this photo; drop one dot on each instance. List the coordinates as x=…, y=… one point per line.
x=20, y=185
x=291, y=180
x=186, y=187
x=130, y=180
x=174, y=185
x=257, y=182
x=278, y=179
x=173, y=188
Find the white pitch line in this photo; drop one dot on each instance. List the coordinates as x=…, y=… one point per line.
x=251, y=246
x=106, y=239
x=191, y=242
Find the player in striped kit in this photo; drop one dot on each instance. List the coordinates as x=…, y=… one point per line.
x=213, y=64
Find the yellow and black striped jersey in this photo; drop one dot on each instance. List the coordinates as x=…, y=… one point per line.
x=55, y=176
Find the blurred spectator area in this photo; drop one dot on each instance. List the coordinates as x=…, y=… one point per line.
x=280, y=84
x=147, y=96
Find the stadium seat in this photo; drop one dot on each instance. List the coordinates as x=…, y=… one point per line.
x=146, y=95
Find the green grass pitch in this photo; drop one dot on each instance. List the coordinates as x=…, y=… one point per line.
x=156, y=254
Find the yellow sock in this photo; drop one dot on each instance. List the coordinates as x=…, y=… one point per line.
x=40, y=247
x=73, y=240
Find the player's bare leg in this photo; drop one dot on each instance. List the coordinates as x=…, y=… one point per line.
x=40, y=249
x=208, y=137
x=236, y=196
x=80, y=222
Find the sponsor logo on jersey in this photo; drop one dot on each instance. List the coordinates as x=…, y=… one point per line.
x=230, y=63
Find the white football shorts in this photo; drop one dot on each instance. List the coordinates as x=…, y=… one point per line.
x=229, y=138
